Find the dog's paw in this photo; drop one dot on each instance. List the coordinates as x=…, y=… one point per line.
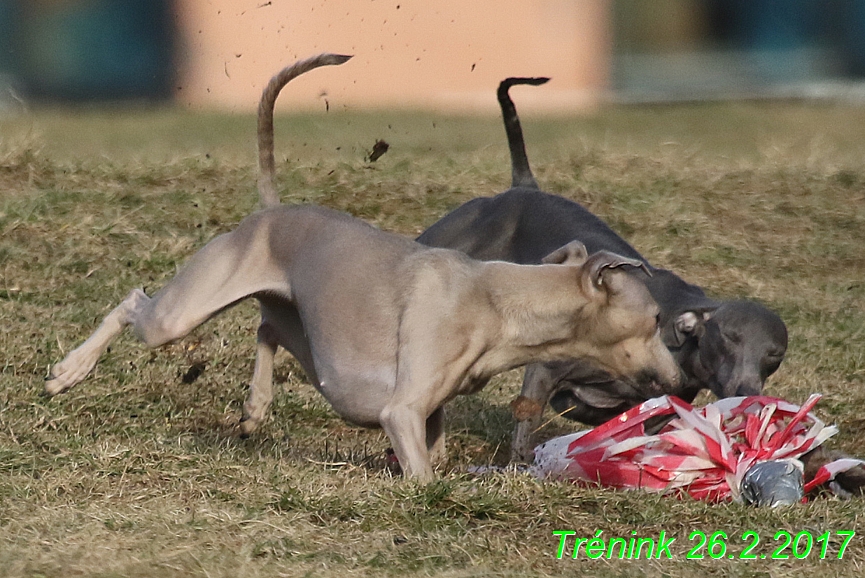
x=69, y=372
x=248, y=426
x=255, y=412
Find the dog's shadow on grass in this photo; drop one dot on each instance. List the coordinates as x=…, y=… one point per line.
x=302, y=425
x=481, y=431
x=478, y=432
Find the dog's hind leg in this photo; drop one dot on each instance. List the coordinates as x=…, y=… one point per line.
x=280, y=326
x=137, y=309
x=82, y=359
x=224, y=272
x=261, y=388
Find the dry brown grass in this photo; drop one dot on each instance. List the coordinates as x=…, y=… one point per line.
x=137, y=473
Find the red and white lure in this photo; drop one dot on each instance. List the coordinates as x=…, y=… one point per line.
x=703, y=452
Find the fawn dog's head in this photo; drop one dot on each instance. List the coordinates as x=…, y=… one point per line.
x=620, y=320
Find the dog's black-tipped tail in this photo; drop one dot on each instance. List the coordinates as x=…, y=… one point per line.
x=521, y=173
x=268, y=196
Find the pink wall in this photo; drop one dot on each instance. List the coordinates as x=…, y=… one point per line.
x=434, y=54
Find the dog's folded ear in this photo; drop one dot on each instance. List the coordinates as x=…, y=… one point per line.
x=598, y=263
x=685, y=325
x=574, y=253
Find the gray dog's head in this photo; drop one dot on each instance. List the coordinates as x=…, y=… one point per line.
x=736, y=347
x=730, y=349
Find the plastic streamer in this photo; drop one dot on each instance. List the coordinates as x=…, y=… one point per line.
x=706, y=453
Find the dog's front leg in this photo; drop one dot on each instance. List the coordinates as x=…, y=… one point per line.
x=405, y=426
x=435, y=437
x=83, y=358
x=528, y=410
x=261, y=387
x=414, y=421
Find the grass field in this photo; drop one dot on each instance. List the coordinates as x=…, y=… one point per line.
x=139, y=471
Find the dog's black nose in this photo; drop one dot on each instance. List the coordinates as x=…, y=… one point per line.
x=650, y=383
x=748, y=389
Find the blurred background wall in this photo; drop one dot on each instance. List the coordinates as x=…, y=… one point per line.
x=441, y=55
x=682, y=49
x=78, y=50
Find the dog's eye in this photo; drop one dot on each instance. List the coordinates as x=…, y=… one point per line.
x=770, y=365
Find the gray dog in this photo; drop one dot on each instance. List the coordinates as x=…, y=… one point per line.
x=389, y=330
x=728, y=347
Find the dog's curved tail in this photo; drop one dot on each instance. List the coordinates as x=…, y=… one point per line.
x=521, y=173
x=266, y=166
